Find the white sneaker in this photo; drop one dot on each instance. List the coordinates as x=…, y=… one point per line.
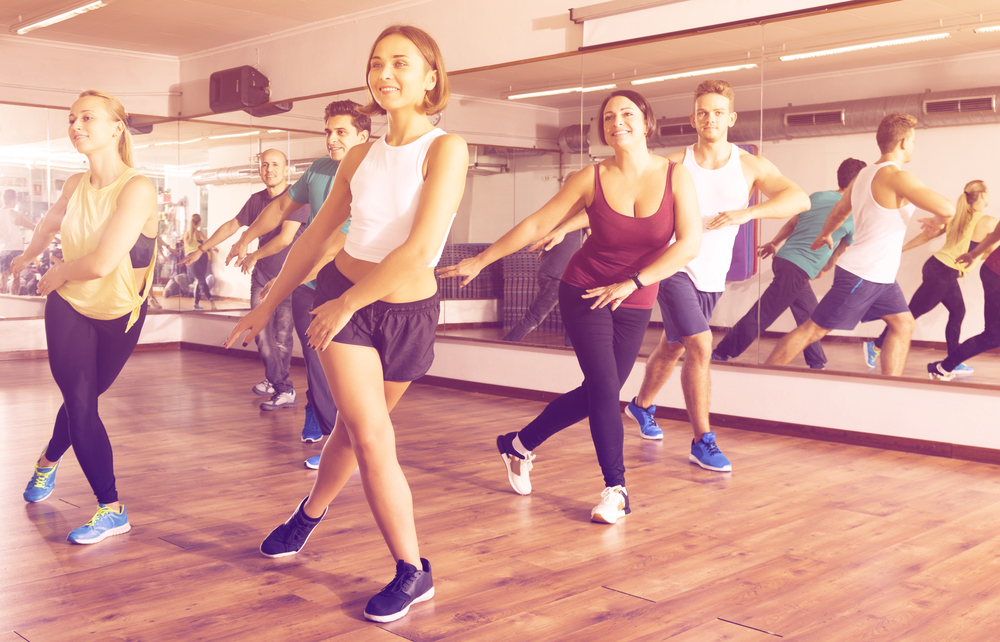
x=263, y=389
x=280, y=400
x=614, y=505
x=517, y=468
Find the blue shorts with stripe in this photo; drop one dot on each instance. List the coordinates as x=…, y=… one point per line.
x=853, y=300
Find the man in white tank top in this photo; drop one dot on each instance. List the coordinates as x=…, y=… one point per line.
x=724, y=176
x=883, y=198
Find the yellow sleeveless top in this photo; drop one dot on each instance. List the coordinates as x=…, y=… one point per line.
x=951, y=251
x=87, y=215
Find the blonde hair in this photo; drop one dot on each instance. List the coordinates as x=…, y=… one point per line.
x=437, y=98
x=720, y=87
x=190, y=235
x=117, y=111
x=964, y=211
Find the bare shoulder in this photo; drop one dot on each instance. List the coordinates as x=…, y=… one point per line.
x=139, y=185
x=72, y=183
x=756, y=164
x=353, y=159
x=448, y=146
x=678, y=156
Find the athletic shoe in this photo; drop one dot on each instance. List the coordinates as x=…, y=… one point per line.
x=706, y=454
x=105, y=523
x=963, y=369
x=42, y=483
x=290, y=537
x=280, y=400
x=936, y=371
x=410, y=586
x=312, y=462
x=644, y=417
x=871, y=353
x=263, y=389
x=613, y=506
x=310, y=429
x=518, y=466
x=818, y=366
x=718, y=357
x=197, y=307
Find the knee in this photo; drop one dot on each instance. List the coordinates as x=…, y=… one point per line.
x=698, y=347
x=903, y=325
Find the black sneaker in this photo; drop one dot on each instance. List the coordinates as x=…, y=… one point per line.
x=936, y=371
x=290, y=537
x=411, y=585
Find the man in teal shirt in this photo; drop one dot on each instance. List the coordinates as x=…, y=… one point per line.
x=794, y=265
x=345, y=128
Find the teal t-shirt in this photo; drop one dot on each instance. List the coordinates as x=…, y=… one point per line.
x=810, y=224
x=313, y=188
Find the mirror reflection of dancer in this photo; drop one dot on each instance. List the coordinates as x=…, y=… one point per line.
x=882, y=198
x=193, y=238
x=11, y=240
x=942, y=270
x=989, y=274
x=108, y=222
x=377, y=305
x=346, y=127
x=795, y=265
x=635, y=202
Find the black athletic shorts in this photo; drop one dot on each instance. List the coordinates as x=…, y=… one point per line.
x=401, y=333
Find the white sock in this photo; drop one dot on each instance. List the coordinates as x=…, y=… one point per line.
x=519, y=447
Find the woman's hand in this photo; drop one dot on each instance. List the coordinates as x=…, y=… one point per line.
x=613, y=294
x=20, y=263
x=328, y=319
x=267, y=288
x=468, y=268
x=254, y=321
x=238, y=251
x=190, y=258
x=52, y=279
x=548, y=241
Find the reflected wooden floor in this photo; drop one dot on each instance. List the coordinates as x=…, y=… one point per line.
x=806, y=540
x=843, y=355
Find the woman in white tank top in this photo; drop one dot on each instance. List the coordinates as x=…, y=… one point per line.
x=376, y=304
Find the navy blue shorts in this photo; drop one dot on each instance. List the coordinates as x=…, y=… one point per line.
x=685, y=309
x=401, y=333
x=853, y=300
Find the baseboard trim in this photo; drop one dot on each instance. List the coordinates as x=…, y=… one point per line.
x=847, y=437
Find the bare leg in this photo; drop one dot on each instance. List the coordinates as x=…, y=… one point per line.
x=696, y=381
x=897, y=343
x=364, y=401
x=795, y=342
x=659, y=366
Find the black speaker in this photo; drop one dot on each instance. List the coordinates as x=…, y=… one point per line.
x=237, y=88
x=269, y=110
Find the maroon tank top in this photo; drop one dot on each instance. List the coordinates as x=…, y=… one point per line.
x=619, y=245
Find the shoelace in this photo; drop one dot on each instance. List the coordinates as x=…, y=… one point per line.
x=402, y=582
x=101, y=512
x=41, y=478
x=526, y=464
x=713, y=449
x=608, y=492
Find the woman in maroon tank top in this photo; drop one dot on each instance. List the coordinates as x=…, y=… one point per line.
x=636, y=203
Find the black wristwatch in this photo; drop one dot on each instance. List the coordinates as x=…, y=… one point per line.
x=635, y=279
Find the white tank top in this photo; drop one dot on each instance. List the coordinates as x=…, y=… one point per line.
x=878, y=232
x=385, y=191
x=719, y=190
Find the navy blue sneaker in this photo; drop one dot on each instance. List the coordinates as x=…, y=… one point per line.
x=42, y=483
x=644, y=417
x=706, y=454
x=105, y=523
x=310, y=429
x=410, y=586
x=289, y=538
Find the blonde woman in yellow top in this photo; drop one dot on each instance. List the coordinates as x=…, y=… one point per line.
x=193, y=238
x=941, y=271
x=96, y=298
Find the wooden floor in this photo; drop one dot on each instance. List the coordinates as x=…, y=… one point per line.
x=804, y=540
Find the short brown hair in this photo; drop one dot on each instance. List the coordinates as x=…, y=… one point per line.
x=720, y=87
x=361, y=122
x=638, y=100
x=892, y=129
x=437, y=98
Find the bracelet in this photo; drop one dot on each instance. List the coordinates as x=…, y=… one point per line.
x=635, y=279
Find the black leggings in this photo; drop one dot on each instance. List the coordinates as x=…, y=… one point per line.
x=199, y=270
x=990, y=336
x=85, y=356
x=940, y=285
x=606, y=343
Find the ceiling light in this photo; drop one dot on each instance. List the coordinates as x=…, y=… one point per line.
x=52, y=17
x=689, y=74
x=870, y=45
x=987, y=29
x=234, y=135
x=556, y=92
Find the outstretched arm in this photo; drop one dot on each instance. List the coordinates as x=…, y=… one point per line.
x=986, y=247
x=770, y=248
x=835, y=219
x=567, y=202
x=225, y=230
x=555, y=237
x=922, y=238
x=785, y=198
x=47, y=227
x=832, y=261
x=912, y=189
x=273, y=215
x=272, y=247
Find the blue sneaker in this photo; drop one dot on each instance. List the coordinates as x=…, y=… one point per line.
x=644, y=417
x=719, y=357
x=312, y=462
x=707, y=455
x=310, y=430
x=102, y=525
x=871, y=353
x=42, y=483
x=963, y=369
